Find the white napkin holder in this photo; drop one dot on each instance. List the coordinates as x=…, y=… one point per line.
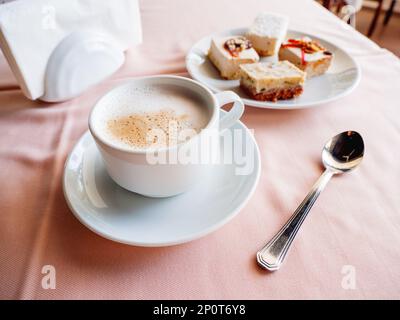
x=57, y=49
x=80, y=61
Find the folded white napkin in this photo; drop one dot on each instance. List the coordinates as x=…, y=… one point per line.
x=31, y=30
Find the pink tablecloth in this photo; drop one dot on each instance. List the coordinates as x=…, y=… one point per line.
x=356, y=221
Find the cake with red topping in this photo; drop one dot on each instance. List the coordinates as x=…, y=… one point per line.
x=228, y=53
x=306, y=54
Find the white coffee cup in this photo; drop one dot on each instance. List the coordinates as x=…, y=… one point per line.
x=132, y=170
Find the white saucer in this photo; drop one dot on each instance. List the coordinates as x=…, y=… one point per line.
x=123, y=216
x=341, y=79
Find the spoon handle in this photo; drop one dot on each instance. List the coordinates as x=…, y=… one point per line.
x=271, y=256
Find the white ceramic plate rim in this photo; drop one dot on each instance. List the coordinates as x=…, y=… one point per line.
x=275, y=105
x=194, y=236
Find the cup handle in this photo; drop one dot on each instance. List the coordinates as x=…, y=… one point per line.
x=236, y=111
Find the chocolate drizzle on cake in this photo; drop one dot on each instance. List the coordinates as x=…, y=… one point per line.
x=236, y=45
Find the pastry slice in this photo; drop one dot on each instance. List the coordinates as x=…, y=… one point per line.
x=267, y=33
x=272, y=81
x=229, y=52
x=306, y=54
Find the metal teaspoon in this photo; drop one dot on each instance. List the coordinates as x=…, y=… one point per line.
x=342, y=153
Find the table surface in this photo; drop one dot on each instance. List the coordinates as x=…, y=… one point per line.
x=352, y=231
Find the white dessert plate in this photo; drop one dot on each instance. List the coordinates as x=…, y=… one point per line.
x=341, y=79
x=123, y=216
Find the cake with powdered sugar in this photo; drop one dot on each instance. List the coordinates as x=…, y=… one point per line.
x=267, y=33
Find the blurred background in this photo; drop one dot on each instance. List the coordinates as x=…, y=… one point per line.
x=377, y=19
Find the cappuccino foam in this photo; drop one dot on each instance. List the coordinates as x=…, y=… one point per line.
x=153, y=116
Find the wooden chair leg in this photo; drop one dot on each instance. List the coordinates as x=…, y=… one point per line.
x=389, y=13
x=340, y=6
x=375, y=19
x=327, y=4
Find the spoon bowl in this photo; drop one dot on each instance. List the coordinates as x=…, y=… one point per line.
x=343, y=152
